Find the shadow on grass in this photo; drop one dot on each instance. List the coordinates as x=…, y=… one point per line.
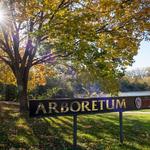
x=20, y=131
x=95, y=132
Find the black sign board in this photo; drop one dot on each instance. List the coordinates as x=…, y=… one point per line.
x=62, y=107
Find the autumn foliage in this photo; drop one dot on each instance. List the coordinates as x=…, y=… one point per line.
x=98, y=37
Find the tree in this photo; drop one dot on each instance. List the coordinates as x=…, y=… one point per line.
x=137, y=73
x=99, y=38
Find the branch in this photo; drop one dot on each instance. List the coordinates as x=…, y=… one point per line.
x=5, y=60
x=49, y=58
x=15, y=40
x=62, y=4
x=28, y=48
x=6, y=47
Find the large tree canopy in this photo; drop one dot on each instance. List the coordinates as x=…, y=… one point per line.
x=98, y=37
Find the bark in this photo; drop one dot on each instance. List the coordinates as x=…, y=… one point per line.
x=22, y=97
x=22, y=82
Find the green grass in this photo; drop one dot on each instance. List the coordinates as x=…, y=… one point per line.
x=95, y=132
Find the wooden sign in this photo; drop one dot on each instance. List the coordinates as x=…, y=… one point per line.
x=62, y=107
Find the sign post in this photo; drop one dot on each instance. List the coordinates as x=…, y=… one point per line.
x=75, y=132
x=76, y=106
x=121, y=126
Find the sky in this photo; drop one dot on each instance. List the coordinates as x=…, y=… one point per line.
x=142, y=59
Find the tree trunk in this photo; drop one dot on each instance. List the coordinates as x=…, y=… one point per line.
x=22, y=97
x=22, y=83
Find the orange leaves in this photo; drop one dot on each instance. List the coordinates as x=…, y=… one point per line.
x=38, y=75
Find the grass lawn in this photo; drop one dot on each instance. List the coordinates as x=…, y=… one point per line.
x=95, y=132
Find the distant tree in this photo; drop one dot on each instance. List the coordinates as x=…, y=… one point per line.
x=148, y=71
x=126, y=86
x=136, y=80
x=137, y=73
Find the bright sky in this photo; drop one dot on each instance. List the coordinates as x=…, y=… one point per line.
x=142, y=59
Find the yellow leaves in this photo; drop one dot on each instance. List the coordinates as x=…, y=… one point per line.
x=38, y=75
x=52, y=3
x=34, y=6
x=6, y=75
